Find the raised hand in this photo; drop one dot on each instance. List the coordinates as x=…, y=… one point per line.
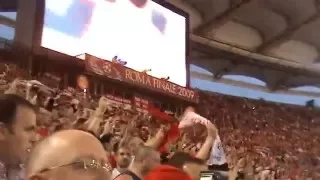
x=234, y=172
x=107, y=128
x=13, y=87
x=212, y=130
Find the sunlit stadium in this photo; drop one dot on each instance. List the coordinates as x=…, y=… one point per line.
x=206, y=89
x=271, y=56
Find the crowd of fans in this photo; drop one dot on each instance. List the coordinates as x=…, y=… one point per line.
x=261, y=140
x=278, y=138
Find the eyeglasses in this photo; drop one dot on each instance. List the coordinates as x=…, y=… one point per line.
x=85, y=164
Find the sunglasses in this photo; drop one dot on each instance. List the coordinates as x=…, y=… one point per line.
x=85, y=164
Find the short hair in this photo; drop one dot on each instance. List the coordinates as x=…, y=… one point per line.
x=143, y=152
x=59, y=127
x=106, y=138
x=119, y=145
x=116, y=147
x=179, y=159
x=9, y=104
x=164, y=158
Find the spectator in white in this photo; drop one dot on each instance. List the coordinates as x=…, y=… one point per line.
x=17, y=134
x=145, y=159
x=122, y=157
x=68, y=154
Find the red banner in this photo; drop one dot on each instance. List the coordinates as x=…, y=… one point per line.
x=119, y=100
x=141, y=103
x=121, y=73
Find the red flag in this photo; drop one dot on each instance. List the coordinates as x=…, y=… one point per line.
x=173, y=132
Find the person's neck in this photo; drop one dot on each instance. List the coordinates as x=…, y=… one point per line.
x=136, y=170
x=6, y=158
x=120, y=169
x=3, y=154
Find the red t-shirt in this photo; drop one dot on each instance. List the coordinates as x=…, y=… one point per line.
x=112, y=161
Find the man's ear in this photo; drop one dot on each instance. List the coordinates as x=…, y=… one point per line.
x=37, y=177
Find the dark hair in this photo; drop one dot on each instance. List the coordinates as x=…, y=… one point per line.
x=9, y=104
x=80, y=122
x=106, y=138
x=181, y=158
x=50, y=104
x=59, y=127
x=119, y=145
x=164, y=158
x=116, y=147
x=92, y=133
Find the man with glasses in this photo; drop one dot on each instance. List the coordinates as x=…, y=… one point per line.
x=17, y=135
x=69, y=154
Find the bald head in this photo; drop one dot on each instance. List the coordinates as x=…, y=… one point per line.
x=63, y=148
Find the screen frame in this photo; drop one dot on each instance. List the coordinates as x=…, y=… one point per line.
x=39, y=25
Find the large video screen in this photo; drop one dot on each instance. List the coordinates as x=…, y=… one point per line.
x=141, y=32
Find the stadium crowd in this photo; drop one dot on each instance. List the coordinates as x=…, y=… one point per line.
x=277, y=137
x=261, y=140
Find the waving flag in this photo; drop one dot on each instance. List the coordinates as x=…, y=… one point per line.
x=173, y=132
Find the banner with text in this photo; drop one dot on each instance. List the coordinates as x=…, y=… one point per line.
x=121, y=73
x=141, y=103
x=119, y=101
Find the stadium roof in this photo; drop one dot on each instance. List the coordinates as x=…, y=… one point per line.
x=254, y=37
x=8, y=5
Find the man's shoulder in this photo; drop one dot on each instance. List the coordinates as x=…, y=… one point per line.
x=115, y=173
x=123, y=177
